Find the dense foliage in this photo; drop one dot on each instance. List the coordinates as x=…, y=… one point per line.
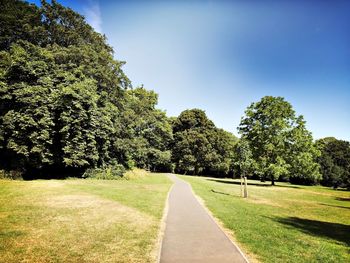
x=64, y=103
x=199, y=147
x=147, y=132
x=281, y=145
x=334, y=162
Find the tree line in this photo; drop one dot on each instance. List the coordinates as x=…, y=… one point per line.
x=68, y=109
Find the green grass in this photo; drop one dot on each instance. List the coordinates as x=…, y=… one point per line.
x=81, y=220
x=283, y=223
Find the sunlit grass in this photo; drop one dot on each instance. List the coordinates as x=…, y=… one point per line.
x=283, y=223
x=81, y=220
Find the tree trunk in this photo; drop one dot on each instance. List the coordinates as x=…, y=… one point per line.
x=272, y=181
x=196, y=170
x=245, y=187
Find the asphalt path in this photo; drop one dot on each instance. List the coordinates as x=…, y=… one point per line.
x=191, y=234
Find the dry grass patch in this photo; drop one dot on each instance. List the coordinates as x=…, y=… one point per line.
x=262, y=201
x=76, y=221
x=97, y=211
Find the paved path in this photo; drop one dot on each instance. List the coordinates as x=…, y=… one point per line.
x=191, y=235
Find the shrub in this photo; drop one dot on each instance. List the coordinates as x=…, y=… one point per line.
x=135, y=174
x=112, y=172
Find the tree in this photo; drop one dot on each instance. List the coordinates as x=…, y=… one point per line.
x=223, y=143
x=146, y=131
x=244, y=161
x=199, y=147
x=191, y=146
x=191, y=151
x=192, y=119
x=61, y=91
x=302, y=155
x=244, y=157
x=278, y=140
x=334, y=161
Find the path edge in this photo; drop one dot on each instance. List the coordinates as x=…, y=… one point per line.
x=162, y=227
x=216, y=221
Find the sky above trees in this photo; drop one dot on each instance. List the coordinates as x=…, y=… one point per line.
x=221, y=55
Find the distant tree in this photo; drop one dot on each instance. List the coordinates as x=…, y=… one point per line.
x=278, y=140
x=335, y=162
x=191, y=151
x=223, y=143
x=146, y=131
x=199, y=147
x=192, y=119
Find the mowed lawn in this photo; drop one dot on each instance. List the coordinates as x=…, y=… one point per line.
x=81, y=220
x=283, y=223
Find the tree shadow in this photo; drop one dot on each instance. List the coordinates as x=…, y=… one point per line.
x=336, y=231
x=250, y=183
x=342, y=189
x=337, y=206
x=343, y=199
x=218, y=192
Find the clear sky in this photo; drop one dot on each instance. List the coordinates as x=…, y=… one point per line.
x=221, y=56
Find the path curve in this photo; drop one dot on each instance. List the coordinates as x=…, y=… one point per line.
x=191, y=234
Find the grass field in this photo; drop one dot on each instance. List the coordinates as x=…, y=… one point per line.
x=81, y=220
x=283, y=223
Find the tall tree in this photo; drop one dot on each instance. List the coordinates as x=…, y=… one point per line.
x=278, y=139
x=61, y=90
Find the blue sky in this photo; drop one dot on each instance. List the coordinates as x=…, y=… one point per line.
x=221, y=56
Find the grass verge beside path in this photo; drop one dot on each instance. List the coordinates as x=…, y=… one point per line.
x=283, y=223
x=81, y=220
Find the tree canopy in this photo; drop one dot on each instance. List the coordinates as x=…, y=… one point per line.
x=335, y=162
x=199, y=147
x=281, y=145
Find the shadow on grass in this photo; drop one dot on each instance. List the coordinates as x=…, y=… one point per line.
x=336, y=231
x=342, y=199
x=337, y=206
x=250, y=183
x=218, y=192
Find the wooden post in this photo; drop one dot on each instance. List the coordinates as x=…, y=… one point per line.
x=241, y=186
x=245, y=187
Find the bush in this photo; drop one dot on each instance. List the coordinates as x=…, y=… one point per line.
x=112, y=172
